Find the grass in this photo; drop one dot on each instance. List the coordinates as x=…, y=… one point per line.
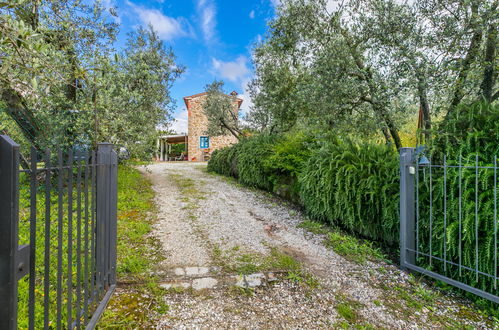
x=313, y=227
x=346, y=311
x=137, y=305
x=348, y=246
x=137, y=249
x=236, y=261
x=352, y=248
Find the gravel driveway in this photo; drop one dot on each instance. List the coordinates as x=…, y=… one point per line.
x=210, y=226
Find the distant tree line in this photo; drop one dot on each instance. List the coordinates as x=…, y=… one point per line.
x=63, y=83
x=364, y=67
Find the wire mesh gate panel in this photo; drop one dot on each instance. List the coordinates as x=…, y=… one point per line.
x=57, y=237
x=448, y=220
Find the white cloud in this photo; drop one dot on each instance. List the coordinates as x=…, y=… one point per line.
x=167, y=27
x=207, y=11
x=247, y=105
x=179, y=125
x=275, y=3
x=252, y=14
x=234, y=71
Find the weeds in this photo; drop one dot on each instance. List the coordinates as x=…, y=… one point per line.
x=138, y=253
x=243, y=263
x=352, y=249
x=348, y=309
x=313, y=227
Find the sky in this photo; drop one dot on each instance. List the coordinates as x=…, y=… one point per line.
x=211, y=38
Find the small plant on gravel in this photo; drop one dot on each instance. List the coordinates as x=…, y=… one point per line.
x=282, y=261
x=305, y=278
x=240, y=291
x=426, y=294
x=246, y=264
x=313, y=227
x=346, y=311
x=352, y=249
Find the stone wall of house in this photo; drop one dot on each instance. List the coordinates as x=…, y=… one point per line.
x=197, y=126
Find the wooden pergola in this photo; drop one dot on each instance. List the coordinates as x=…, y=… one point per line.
x=164, y=143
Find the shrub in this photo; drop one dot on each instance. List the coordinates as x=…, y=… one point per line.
x=470, y=128
x=251, y=156
x=286, y=162
x=471, y=131
x=224, y=161
x=218, y=162
x=354, y=186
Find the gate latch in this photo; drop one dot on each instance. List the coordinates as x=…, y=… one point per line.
x=22, y=261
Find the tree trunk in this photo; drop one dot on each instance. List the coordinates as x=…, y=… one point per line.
x=23, y=117
x=471, y=55
x=386, y=134
x=425, y=107
x=231, y=130
x=392, y=128
x=489, y=75
x=367, y=76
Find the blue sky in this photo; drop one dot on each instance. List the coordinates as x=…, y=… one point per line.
x=211, y=38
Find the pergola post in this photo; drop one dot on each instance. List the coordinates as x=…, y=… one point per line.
x=162, y=155
x=157, y=148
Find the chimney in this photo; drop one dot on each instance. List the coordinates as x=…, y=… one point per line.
x=233, y=93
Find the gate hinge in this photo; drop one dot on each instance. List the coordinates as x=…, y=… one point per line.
x=22, y=261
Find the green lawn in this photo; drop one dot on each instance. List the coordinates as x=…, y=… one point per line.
x=139, y=299
x=137, y=251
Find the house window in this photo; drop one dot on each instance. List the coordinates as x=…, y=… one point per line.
x=204, y=142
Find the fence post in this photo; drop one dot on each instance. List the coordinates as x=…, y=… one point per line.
x=106, y=210
x=9, y=206
x=407, y=222
x=113, y=215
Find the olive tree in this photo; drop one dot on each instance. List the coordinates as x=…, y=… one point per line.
x=220, y=111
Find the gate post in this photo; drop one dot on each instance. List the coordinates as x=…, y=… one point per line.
x=113, y=215
x=408, y=169
x=106, y=211
x=9, y=206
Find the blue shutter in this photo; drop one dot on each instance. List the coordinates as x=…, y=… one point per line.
x=204, y=142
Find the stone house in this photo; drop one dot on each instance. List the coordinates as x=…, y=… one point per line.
x=199, y=145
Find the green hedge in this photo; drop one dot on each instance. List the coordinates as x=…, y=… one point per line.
x=286, y=162
x=354, y=186
x=250, y=158
x=342, y=183
x=471, y=131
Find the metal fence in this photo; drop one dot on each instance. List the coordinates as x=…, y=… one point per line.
x=57, y=237
x=448, y=220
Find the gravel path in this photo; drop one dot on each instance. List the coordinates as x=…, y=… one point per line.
x=205, y=218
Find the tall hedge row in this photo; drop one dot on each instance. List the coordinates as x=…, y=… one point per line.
x=351, y=185
x=356, y=186
x=460, y=227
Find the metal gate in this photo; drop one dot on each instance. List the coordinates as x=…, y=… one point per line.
x=448, y=221
x=57, y=226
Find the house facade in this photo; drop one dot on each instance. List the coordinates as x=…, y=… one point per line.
x=200, y=145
